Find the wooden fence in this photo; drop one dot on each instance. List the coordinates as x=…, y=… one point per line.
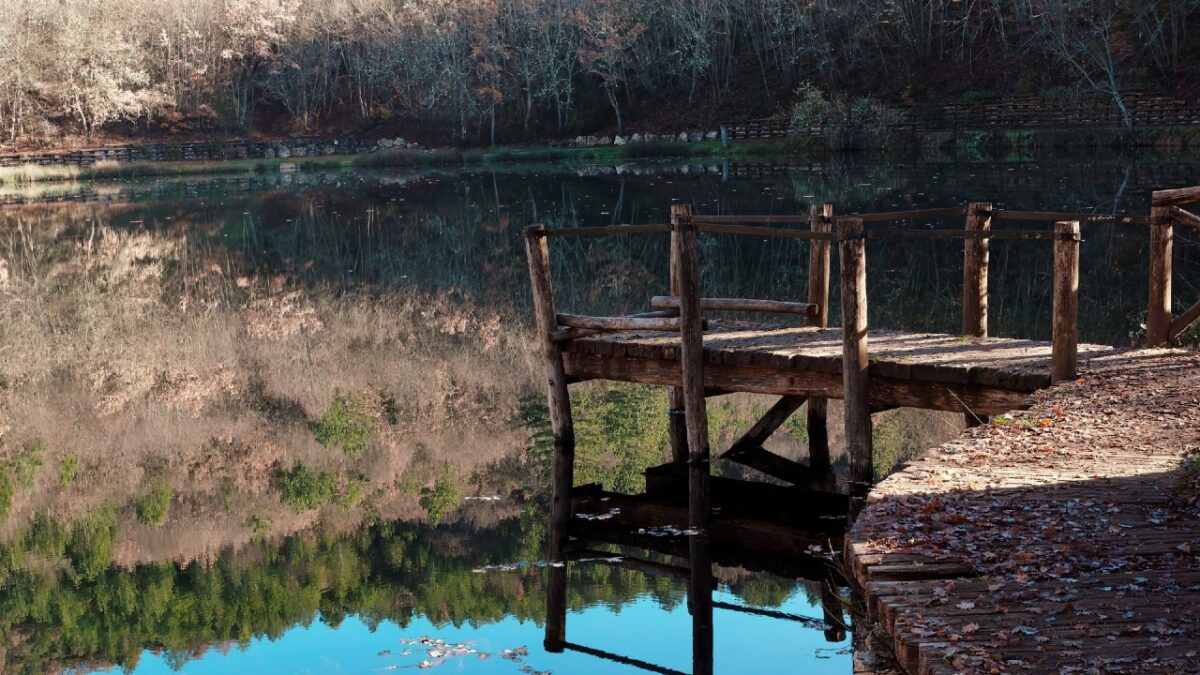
x=1145, y=109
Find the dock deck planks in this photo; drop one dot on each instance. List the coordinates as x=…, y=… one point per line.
x=1060, y=543
x=929, y=370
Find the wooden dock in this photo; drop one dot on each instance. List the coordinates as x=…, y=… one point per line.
x=806, y=363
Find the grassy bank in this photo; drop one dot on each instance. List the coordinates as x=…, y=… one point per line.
x=967, y=145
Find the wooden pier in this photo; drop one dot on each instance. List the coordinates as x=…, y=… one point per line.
x=675, y=345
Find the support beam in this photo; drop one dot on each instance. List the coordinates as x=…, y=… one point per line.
x=761, y=459
x=975, y=271
x=538, y=254
x=1158, y=314
x=739, y=305
x=1185, y=320
x=1065, y=348
x=767, y=425
x=818, y=294
x=976, y=255
x=677, y=420
x=685, y=258
x=855, y=380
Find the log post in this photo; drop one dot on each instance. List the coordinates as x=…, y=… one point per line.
x=1065, y=347
x=818, y=294
x=685, y=259
x=855, y=381
x=677, y=427
x=1158, y=315
x=538, y=253
x=975, y=280
x=975, y=271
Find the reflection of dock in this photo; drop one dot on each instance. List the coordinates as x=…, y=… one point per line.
x=759, y=533
x=870, y=370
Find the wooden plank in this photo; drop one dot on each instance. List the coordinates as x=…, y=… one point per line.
x=1175, y=197
x=951, y=397
x=818, y=294
x=739, y=305
x=1158, y=315
x=855, y=379
x=1065, y=348
x=565, y=334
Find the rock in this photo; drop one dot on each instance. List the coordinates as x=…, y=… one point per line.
x=619, y=140
x=711, y=136
x=399, y=142
x=282, y=152
x=635, y=138
x=385, y=143
x=649, y=138
x=329, y=149
x=299, y=151
x=578, y=141
x=604, y=140
x=696, y=136
x=682, y=137
x=269, y=153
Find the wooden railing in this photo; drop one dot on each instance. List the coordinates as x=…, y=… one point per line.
x=683, y=309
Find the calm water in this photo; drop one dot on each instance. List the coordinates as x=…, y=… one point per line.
x=174, y=348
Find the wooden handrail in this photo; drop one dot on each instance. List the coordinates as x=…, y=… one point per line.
x=1185, y=217
x=740, y=305
x=757, y=231
x=615, y=323
x=1175, y=197
x=952, y=212
x=786, y=218
x=1056, y=216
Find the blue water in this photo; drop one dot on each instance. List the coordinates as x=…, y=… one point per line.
x=643, y=629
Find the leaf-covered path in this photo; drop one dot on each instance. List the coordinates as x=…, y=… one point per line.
x=1062, y=539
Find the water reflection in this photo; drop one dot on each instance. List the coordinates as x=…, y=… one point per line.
x=232, y=409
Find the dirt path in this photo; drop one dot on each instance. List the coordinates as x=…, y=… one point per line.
x=1064, y=540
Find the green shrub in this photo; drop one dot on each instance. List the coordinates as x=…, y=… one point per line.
x=303, y=488
x=67, y=470
x=91, y=545
x=440, y=499
x=346, y=424
x=846, y=123
x=26, y=465
x=152, y=508
x=7, y=491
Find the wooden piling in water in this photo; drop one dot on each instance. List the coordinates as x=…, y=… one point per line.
x=685, y=261
x=1065, y=342
x=819, y=219
x=1162, y=235
x=677, y=423
x=855, y=380
x=559, y=399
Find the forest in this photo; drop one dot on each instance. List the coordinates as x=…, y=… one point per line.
x=489, y=71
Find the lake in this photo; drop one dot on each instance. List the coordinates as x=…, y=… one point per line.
x=292, y=423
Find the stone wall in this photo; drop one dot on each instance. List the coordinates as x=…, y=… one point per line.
x=637, y=137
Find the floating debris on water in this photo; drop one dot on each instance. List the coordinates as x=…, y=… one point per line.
x=515, y=566
x=599, y=516
x=668, y=531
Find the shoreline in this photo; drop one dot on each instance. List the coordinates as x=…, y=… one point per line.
x=981, y=145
